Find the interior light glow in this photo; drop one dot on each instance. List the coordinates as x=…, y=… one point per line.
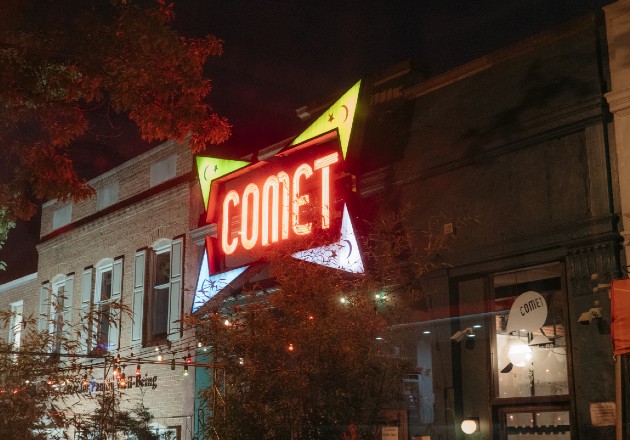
x=520, y=354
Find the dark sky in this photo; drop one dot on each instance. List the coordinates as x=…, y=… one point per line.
x=281, y=55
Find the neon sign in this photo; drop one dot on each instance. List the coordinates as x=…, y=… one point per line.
x=290, y=195
x=272, y=213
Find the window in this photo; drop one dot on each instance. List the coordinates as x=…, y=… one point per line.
x=163, y=170
x=530, y=362
x=62, y=216
x=107, y=196
x=15, y=326
x=55, y=309
x=101, y=289
x=157, y=295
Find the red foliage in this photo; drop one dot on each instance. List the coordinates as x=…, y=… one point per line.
x=55, y=68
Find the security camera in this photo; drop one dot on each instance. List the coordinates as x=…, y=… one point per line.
x=587, y=317
x=460, y=335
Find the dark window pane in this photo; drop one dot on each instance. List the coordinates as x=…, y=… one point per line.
x=162, y=268
x=103, y=326
x=106, y=285
x=160, y=310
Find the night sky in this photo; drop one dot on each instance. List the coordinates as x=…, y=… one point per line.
x=282, y=55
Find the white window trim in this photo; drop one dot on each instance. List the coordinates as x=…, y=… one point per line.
x=144, y=276
x=115, y=266
x=162, y=246
x=55, y=305
x=17, y=310
x=105, y=265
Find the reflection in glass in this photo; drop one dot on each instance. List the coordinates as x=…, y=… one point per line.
x=534, y=362
x=550, y=425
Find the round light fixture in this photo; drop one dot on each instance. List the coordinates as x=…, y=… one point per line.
x=520, y=354
x=470, y=425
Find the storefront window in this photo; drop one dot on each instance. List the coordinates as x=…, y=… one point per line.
x=531, y=359
x=550, y=425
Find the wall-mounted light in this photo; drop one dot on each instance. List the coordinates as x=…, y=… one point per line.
x=470, y=425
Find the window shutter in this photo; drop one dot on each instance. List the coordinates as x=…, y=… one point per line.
x=42, y=323
x=138, y=296
x=68, y=293
x=175, y=298
x=85, y=320
x=114, y=328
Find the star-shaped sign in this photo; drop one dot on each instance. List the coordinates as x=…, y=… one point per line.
x=210, y=168
x=344, y=108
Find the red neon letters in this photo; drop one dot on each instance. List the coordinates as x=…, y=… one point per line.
x=271, y=219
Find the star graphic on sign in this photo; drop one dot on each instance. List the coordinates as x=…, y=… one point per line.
x=330, y=117
x=216, y=168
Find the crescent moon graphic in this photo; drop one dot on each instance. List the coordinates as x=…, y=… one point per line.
x=345, y=107
x=204, y=172
x=349, y=246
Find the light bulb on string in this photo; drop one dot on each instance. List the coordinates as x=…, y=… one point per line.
x=520, y=354
x=185, y=369
x=173, y=363
x=138, y=371
x=188, y=358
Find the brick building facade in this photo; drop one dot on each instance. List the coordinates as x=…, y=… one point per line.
x=126, y=244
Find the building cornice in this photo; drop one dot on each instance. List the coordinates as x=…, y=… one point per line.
x=18, y=282
x=502, y=55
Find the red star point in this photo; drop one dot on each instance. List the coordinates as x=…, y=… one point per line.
x=330, y=117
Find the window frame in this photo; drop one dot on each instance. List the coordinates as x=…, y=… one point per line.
x=13, y=325
x=142, y=334
x=105, y=266
x=160, y=248
x=537, y=403
x=56, y=308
